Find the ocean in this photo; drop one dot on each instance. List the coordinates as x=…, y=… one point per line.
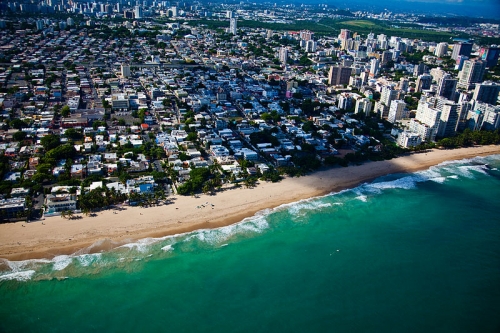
x=413, y=252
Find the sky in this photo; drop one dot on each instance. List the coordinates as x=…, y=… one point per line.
x=474, y=8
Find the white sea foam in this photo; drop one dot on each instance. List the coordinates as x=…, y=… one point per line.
x=363, y=198
x=19, y=276
x=142, y=245
x=402, y=183
x=61, y=262
x=439, y=180
x=302, y=207
x=255, y=224
x=89, y=259
x=167, y=248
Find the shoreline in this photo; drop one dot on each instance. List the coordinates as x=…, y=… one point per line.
x=115, y=227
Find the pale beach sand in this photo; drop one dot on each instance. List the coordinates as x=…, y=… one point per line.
x=111, y=228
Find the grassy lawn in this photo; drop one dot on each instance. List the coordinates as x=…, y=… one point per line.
x=360, y=23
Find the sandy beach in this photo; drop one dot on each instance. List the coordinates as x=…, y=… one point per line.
x=111, y=228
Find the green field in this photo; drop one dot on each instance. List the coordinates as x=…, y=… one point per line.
x=360, y=23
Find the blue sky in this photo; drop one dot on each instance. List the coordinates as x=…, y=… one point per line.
x=475, y=8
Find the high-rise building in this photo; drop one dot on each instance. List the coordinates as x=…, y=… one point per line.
x=420, y=69
x=229, y=14
x=441, y=49
x=459, y=64
x=490, y=55
x=386, y=57
x=173, y=11
x=339, y=75
x=404, y=84
x=233, y=26
x=461, y=49
x=363, y=105
x=471, y=73
x=40, y=24
x=447, y=86
x=311, y=46
x=388, y=94
x=70, y=22
x=448, y=121
x=125, y=70
x=283, y=54
x=437, y=74
x=487, y=92
x=426, y=122
x=397, y=111
x=138, y=12
x=344, y=34
x=423, y=82
x=486, y=116
x=306, y=35
x=374, y=67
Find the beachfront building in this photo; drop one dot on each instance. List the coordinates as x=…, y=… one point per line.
x=57, y=203
x=12, y=208
x=409, y=139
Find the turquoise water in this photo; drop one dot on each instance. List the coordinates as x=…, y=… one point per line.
x=407, y=253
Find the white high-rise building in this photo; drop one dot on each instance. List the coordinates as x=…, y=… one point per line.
x=283, y=55
x=448, y=121
x=363, y=105
x=388, y=94
x=138, y=12
x=472, y=72
x=311, y=46
x=229, y=14
x=374, y=67
x=426, y=122
x=441, y=49
x=173, y=11
x=397, y=111
x=233, y=26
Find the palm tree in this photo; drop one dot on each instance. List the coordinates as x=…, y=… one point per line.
x=69, y=214
x=63, y=214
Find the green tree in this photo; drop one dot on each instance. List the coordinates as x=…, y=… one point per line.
x=19, y=136
x=50, y=141
x=18, y=124
x=65, y=111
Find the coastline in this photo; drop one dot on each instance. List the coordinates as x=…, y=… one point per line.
x=112, y=228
